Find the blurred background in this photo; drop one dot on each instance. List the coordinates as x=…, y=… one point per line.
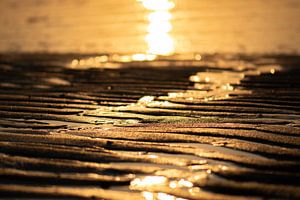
x=153, y=26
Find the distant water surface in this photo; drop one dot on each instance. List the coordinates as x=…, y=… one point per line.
x=131, y=26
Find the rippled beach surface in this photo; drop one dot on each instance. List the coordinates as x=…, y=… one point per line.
x=219, y=127
x=149, y=99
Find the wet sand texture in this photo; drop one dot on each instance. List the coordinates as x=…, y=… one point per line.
x=151, y=132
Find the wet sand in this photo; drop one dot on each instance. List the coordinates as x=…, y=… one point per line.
x=223, y=127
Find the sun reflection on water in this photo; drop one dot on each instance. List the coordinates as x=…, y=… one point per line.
x=159, y=40
x=152, y=183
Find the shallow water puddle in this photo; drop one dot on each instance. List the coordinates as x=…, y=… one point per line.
x=216, y=82
x=220, y=84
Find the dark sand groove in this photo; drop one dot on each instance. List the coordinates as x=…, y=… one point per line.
x=197, y=131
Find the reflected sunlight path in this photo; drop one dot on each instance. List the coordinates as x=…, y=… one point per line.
x=159, y=40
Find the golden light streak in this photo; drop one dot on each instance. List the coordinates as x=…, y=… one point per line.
x=158, y=4
x=159, y=40
x=149, y=181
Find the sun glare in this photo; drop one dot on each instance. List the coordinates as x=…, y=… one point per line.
x=158, y=4
x=159, y=40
